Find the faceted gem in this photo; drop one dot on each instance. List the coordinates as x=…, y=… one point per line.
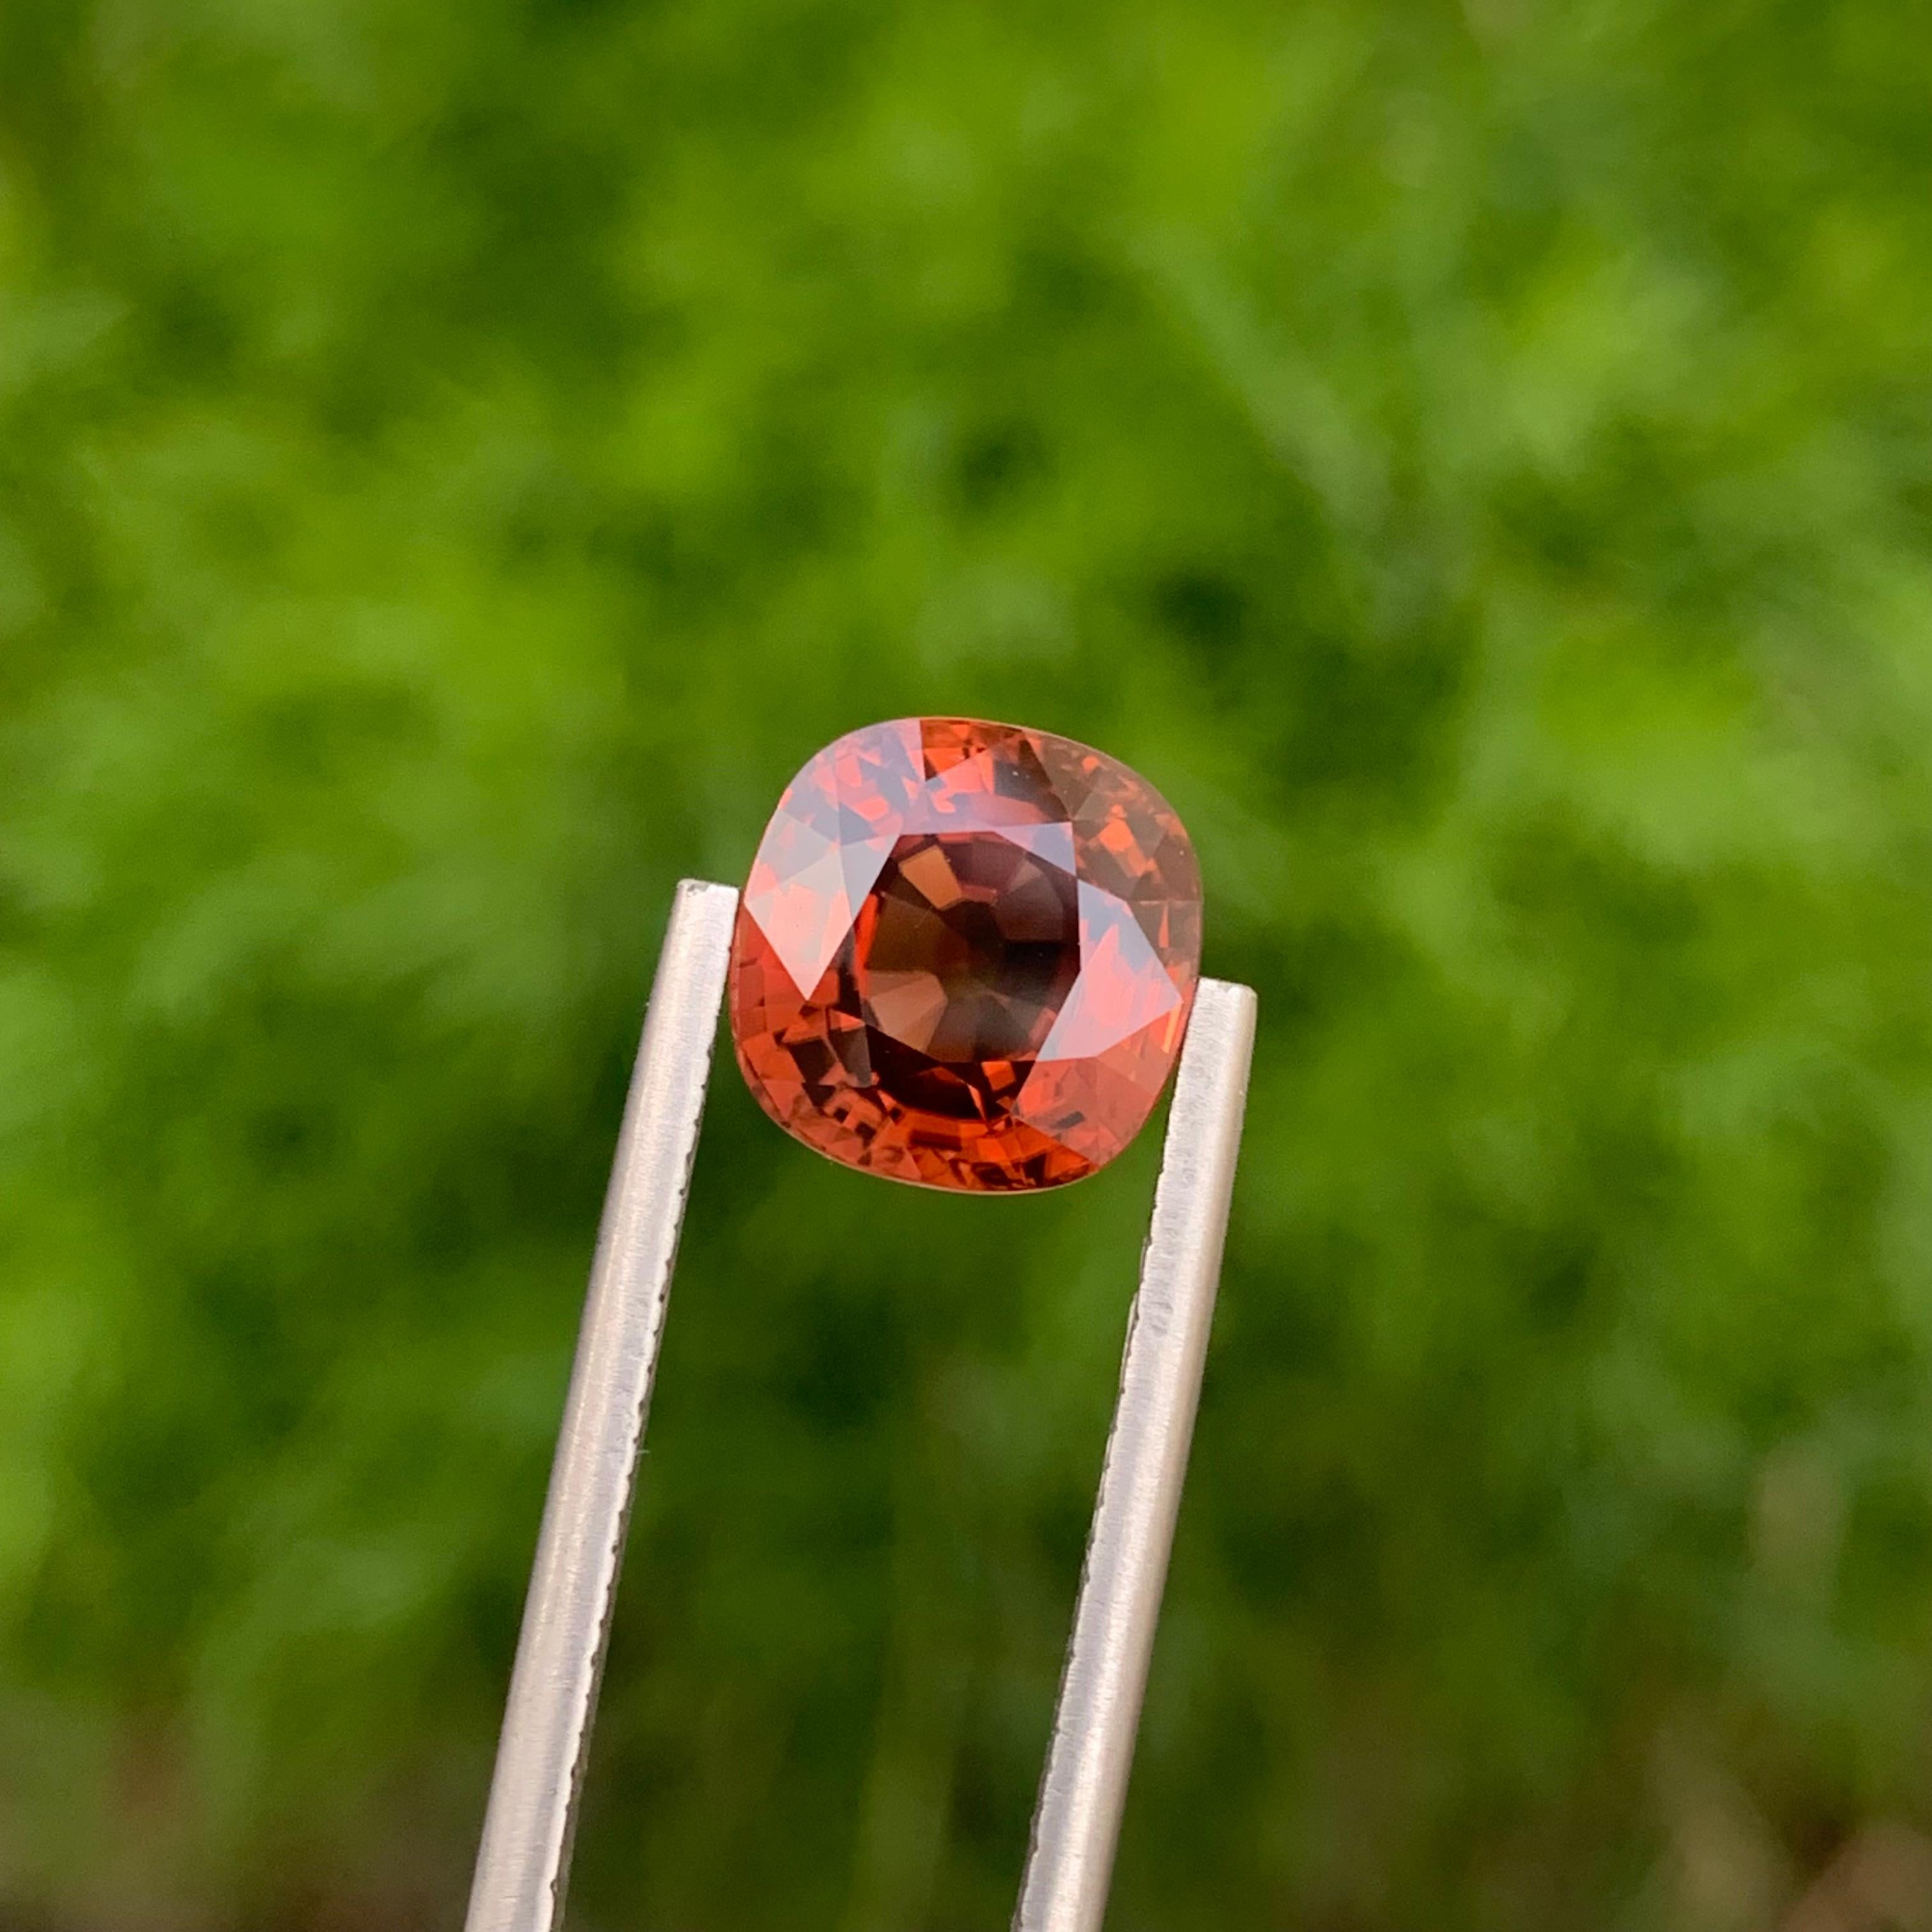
x=966, y=955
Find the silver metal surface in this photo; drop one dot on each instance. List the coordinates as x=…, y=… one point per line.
x=1070, y=1862
x=524, y=1862
x=523, y=1865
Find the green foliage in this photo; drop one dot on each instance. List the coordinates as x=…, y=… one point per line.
x=457, y=460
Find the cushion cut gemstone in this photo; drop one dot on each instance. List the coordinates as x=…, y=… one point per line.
x=966, y=955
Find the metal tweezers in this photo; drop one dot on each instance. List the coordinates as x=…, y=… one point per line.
x=524, y=1863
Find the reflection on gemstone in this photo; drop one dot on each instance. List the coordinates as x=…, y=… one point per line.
x=966, y=955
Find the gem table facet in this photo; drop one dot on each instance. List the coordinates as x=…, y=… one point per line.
x=966, y=955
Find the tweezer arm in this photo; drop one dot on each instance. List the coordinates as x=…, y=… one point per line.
x=524, y=1862
x=1069, y=1865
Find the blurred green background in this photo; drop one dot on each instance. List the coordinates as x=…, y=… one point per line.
x=457, y=460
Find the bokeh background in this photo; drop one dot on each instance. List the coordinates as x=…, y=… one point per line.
x=458, y=458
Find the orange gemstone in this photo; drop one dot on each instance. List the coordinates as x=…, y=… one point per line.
x=966, y=955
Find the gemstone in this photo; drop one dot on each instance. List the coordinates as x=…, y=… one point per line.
x=966, y=955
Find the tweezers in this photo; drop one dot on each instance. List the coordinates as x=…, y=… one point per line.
x=523, y=1865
